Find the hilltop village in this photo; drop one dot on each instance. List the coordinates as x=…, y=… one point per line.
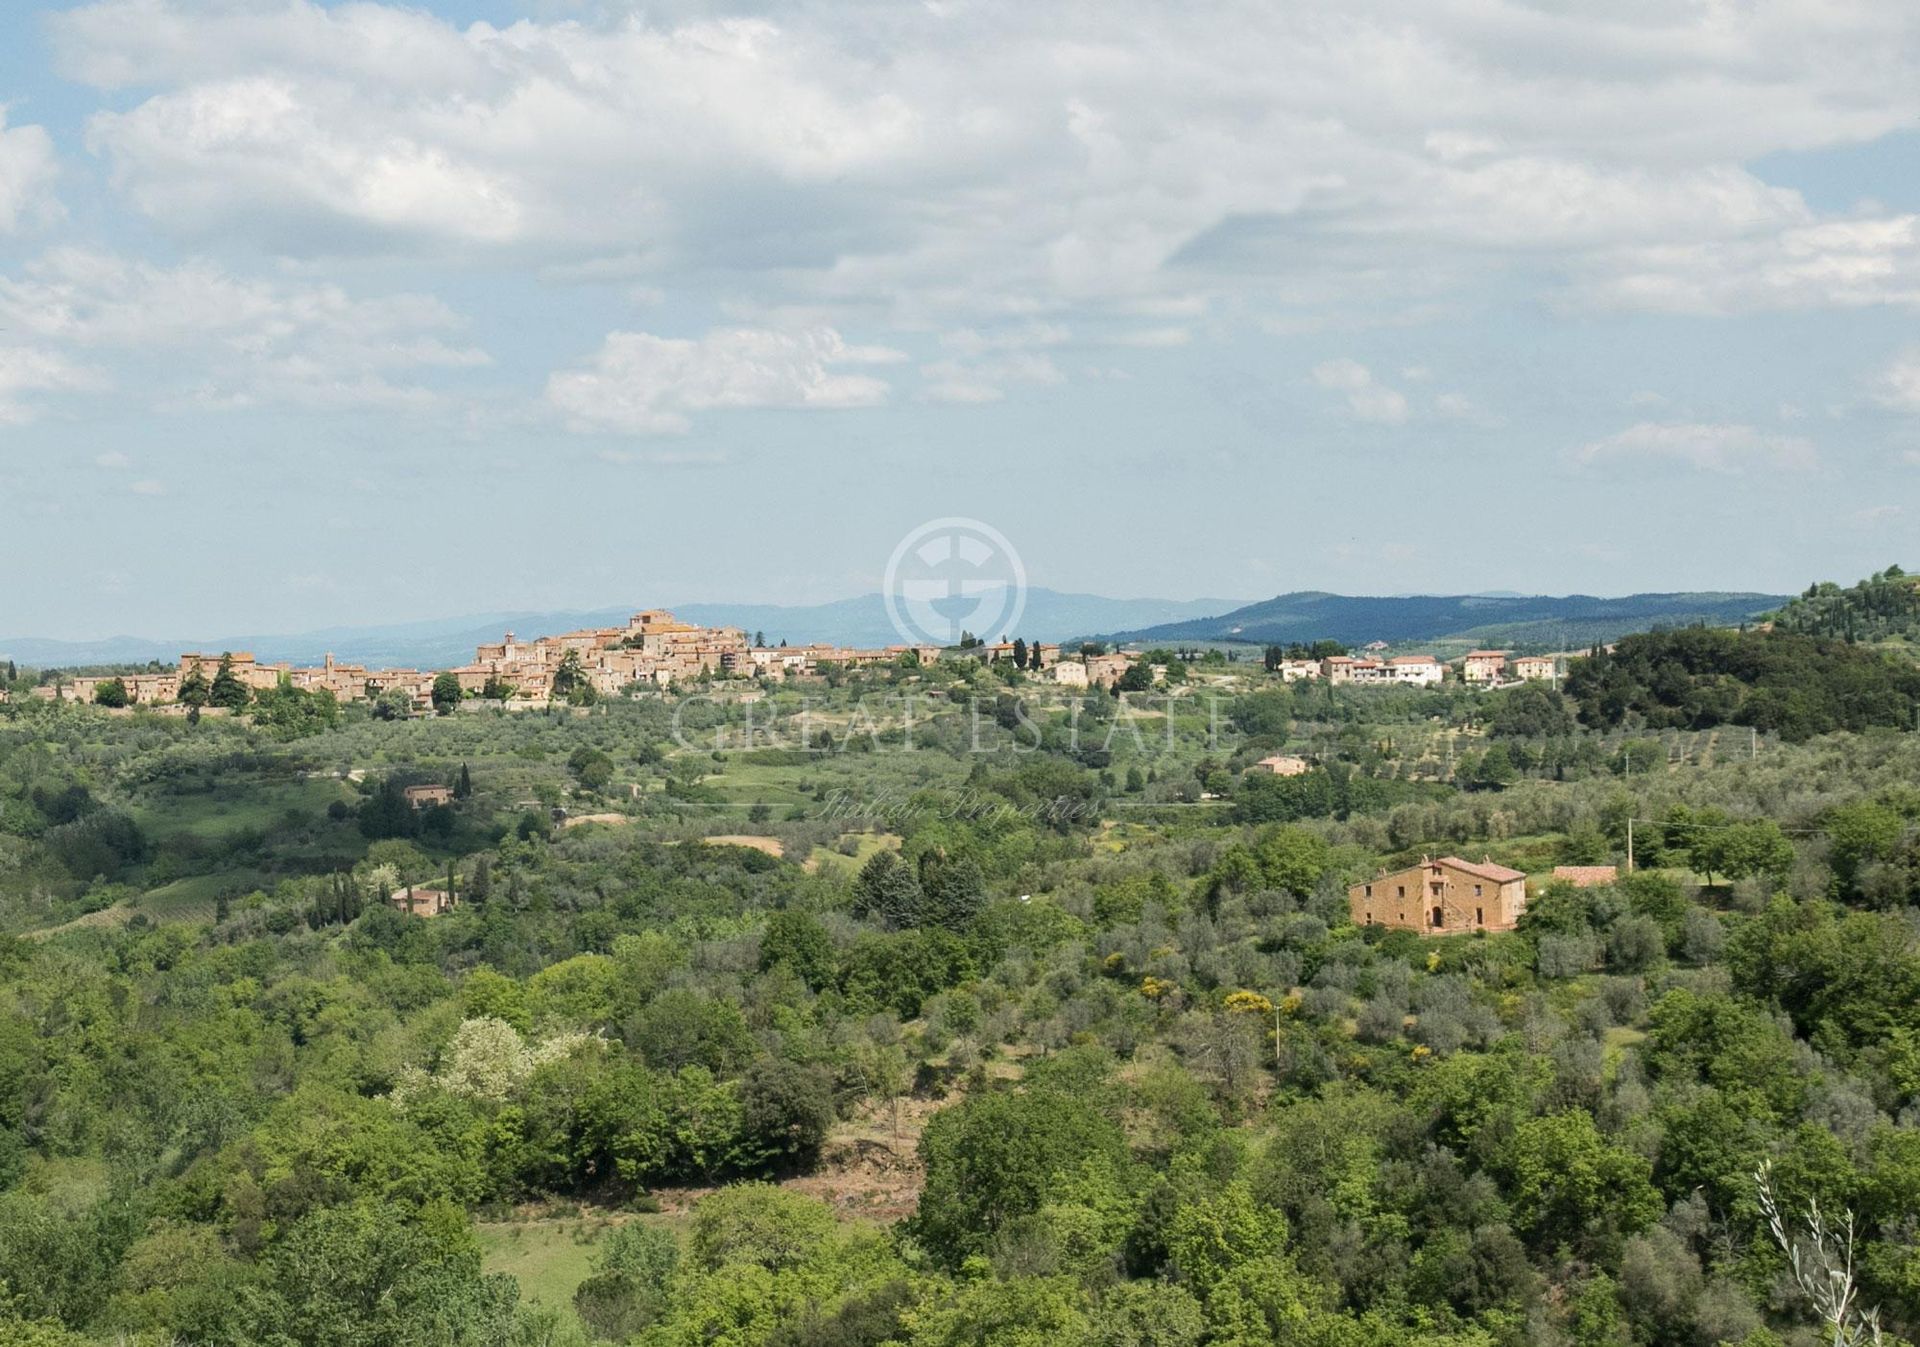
x=656, y=650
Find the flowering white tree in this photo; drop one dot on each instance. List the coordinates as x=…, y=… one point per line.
x=487, y=1060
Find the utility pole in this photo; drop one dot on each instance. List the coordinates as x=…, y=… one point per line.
x=1754, y=742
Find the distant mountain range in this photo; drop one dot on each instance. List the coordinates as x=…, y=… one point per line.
x=1049, y=616
x=1572, y=622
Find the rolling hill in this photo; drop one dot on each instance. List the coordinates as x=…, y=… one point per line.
x=1570, y=622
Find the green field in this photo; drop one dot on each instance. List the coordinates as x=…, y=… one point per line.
x=866, y=847
x=550, y=1256
x=228, y=809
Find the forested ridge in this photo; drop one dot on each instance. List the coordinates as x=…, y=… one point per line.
x=1024, y=1016
x=1782, y=682
x=1883, y=607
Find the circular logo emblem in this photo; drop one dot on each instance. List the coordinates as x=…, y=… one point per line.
x=950, y=577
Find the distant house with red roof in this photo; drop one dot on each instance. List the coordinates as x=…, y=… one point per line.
x=1534, y=668
x=1483, y=666
x=1420, y=669
x=1447, y=896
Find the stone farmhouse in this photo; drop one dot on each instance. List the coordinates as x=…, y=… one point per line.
x=416, y=902
x=995, y=651
x=147, y=689
x=1447, y=896
x=1105, y=670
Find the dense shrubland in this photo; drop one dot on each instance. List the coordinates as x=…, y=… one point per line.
x=1161, y=1091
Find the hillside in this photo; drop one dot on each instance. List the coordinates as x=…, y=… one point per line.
x=1881, y=609
x=1779, y=682
x=1569, y=622
x=858, y=1018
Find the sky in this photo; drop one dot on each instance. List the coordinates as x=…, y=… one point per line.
x=317, y=313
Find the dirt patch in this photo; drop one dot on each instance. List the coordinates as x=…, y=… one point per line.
x=771, y=845
x=575, y=820
x=869, y=1169
x=865, y=1179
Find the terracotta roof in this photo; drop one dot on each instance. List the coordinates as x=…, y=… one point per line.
x=1486, y=654
x=1413, y=659
x=1587, y=876
x=1485, y=869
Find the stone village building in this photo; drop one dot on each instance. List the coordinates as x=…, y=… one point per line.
x=1447, y=896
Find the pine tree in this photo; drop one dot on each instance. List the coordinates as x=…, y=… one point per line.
x=886, y=890
x=953, y=889
x=193, y=689
x=227, y=689
x=463, y=787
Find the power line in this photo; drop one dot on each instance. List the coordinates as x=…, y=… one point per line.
x=1736, y=823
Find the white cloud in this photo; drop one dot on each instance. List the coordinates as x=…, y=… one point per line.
x=1714, y=448
x=148, y=487
x=1794, y=264
x=1152, y=338
x=1367, y=398
x=1460, y=408
x=237, y=341
x=969, y=341
x=112, y=459
x=1898, y=385
x=27, y=171
x=946, y=163
x=986, y=380
x=29, y=371
x=642, y=384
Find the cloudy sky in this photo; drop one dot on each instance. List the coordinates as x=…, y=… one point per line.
x=317, y=313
